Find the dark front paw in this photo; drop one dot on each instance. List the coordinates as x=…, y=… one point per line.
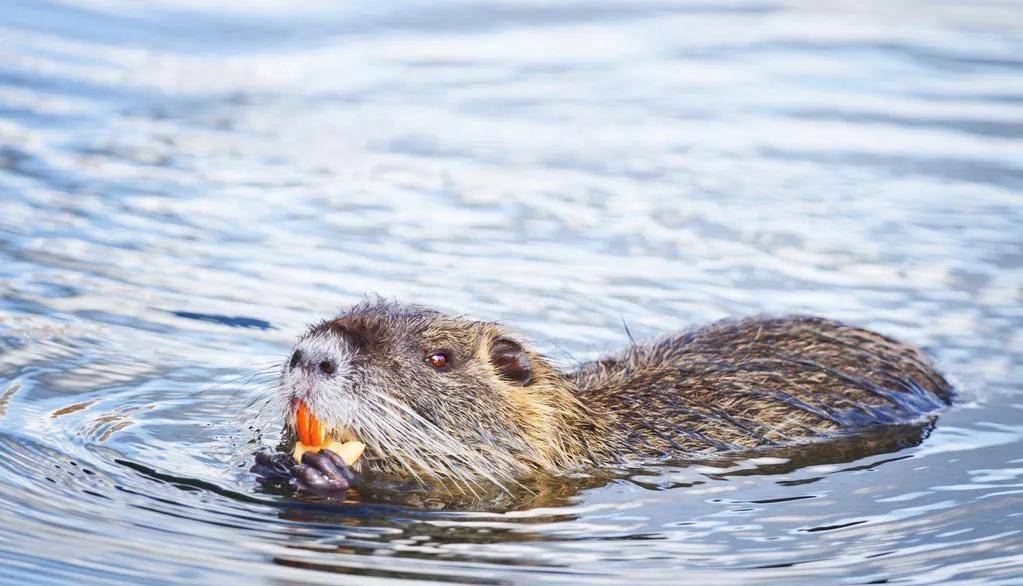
x=322, y=472
x=319, y=473
x=273, y=467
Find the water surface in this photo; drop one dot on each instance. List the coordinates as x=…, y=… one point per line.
x=183, y=188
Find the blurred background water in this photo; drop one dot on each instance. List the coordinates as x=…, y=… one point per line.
x=183, y=187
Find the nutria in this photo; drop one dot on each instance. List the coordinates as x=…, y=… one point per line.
x=441, y=397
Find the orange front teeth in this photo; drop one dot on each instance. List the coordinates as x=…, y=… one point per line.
x=313, y=437
x=309, y=429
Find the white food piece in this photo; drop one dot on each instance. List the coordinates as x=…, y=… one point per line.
x=350, y=452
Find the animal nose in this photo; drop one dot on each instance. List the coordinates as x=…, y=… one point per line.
x=328, y=367
x=324, y=366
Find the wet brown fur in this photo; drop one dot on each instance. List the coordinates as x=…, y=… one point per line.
x=753, y=382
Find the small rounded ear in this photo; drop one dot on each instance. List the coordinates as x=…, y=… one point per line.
x=511, y=361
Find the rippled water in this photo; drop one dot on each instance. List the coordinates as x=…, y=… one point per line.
x=184, y=187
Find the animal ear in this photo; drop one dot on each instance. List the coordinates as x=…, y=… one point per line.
x=511, y=361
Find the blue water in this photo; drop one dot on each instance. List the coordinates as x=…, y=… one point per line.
x=183, y=188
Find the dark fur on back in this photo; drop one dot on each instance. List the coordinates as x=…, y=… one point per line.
x=757, y=382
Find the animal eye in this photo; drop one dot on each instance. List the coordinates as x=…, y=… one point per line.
x=438, y=360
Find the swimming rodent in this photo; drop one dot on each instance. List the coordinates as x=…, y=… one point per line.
x=449, y=398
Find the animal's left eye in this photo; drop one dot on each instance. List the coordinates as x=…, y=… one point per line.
x=438, y=360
